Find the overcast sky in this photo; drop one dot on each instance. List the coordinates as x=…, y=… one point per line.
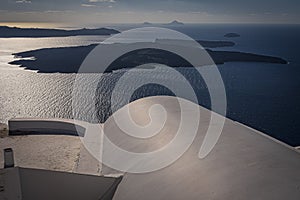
x=160, y=11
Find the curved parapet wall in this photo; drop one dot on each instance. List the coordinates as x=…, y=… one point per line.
x=31, y=126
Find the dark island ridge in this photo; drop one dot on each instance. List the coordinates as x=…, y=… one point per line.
x=69, y=59
x=8, y=32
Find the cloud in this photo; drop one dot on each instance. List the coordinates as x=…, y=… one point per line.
x=102, y=1
x=23, y=1
x=87, y=5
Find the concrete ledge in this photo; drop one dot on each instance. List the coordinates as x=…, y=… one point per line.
x=35, y=184
x=50, y=152
x=32, y=126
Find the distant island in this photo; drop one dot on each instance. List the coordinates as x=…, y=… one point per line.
x=147, y=24
x=215, y=44
x=203, y=43
x=175, y=23
x=7, y=32
x=231, y=35
x=69, y=59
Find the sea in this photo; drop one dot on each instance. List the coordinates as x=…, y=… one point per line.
x=263, y=96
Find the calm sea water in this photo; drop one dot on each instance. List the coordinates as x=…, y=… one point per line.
x=263, y=96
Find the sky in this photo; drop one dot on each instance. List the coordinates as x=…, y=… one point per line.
x=155, y=11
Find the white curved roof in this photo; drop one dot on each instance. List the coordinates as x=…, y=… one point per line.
x=244, y=164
